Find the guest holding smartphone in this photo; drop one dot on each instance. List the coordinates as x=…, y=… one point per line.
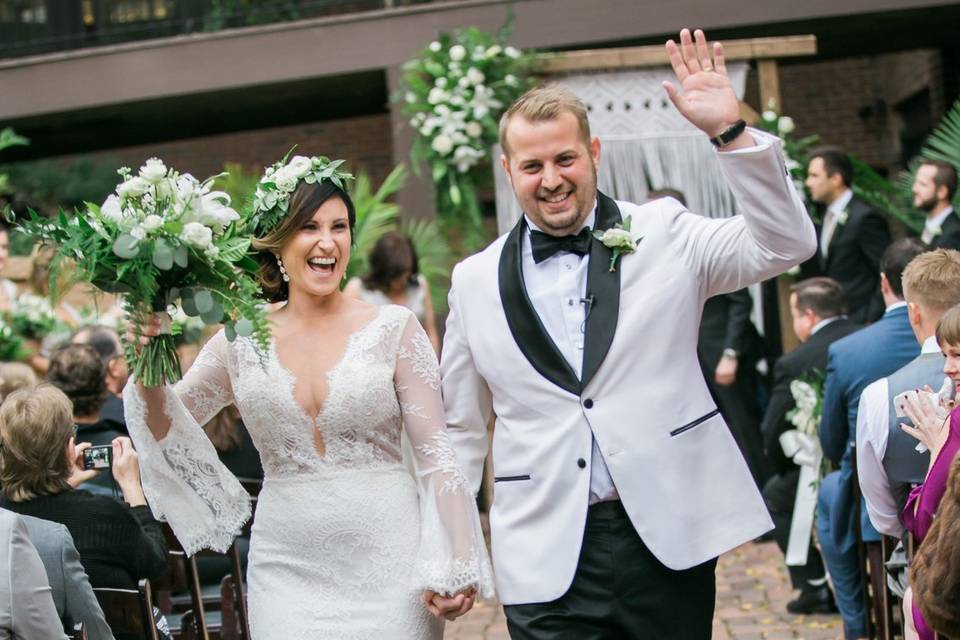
x=41, y=466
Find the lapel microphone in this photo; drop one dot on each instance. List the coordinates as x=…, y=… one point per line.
x=588, y=301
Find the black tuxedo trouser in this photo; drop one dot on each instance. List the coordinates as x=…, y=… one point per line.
x=780, y=494
x=621, y=592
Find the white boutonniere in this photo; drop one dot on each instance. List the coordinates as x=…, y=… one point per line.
x=842, y=217
x=935, y=230
x=619, y=240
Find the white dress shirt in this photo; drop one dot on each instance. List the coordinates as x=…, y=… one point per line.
x=873, y=420
x=830, y=219
x=932, y=226
x=556, y=288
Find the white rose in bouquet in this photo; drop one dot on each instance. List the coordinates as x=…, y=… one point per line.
x=152, y=222
x=138, y=231
x=110, y=209
x=457, y=53
x=197, y=235
x=133, y=188
x=785, y=125
x=153, y=170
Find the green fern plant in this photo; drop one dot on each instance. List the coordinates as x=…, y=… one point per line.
x=375, y=215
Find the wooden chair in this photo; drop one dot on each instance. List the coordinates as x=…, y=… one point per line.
x=129, y=611
x=890, y=603
x=871, y=558
x=181, y=577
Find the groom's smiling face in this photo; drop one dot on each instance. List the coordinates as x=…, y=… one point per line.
x=553, y=170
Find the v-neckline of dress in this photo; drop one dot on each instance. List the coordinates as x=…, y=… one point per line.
x=288, y=373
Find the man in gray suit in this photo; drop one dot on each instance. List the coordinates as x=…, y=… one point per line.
x=888, y=463
x=72, y=593
x=26, y=608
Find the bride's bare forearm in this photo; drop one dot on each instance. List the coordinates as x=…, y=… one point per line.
x=157, y=420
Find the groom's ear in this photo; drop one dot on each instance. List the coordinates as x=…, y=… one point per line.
x=505, y=163
x=595, y=151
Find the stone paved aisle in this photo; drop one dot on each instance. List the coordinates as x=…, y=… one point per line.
x=752, y=591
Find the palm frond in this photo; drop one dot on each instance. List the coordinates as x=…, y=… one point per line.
x=944, y=143
x=884, y=196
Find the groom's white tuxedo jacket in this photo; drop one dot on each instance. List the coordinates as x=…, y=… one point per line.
x=682, y=480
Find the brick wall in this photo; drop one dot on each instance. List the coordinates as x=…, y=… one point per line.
x=850, y=101
x=365, y=143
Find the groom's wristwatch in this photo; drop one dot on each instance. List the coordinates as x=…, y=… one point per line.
x=729, y=134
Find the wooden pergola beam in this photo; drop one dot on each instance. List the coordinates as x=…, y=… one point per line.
x=655, y=56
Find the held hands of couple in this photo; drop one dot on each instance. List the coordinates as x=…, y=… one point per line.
x=930, y=426
x=707, y=99
x=452, y=607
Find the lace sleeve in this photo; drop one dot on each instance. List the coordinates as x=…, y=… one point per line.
x=182, y=476
x=452, y=554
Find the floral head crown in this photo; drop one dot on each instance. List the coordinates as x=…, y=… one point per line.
x=280, y=180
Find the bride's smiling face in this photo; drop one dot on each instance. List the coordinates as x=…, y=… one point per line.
x=316, y=256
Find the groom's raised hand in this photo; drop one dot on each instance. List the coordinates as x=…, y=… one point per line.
x=706, y=98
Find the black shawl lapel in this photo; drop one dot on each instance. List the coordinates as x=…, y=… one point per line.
x=525, y=325
x=603, y=289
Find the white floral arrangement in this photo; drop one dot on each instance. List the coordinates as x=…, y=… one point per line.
x=805, y=417
x=162, y=237
x=31, y=317
x=454, y=93
x=280, y=180
x=618, y=239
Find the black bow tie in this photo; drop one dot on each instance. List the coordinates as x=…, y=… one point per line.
x=545, y=245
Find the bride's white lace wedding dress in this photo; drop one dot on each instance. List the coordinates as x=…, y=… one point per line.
x=343, y=542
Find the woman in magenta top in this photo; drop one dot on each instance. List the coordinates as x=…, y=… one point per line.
x=940, y=434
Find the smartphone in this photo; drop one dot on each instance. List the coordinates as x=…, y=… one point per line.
x=98, y=457
x=899, y=400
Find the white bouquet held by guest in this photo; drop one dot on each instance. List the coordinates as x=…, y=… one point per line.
x=162, y=237
x=802, y=445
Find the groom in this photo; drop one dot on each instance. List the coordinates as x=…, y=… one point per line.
x=617, y=483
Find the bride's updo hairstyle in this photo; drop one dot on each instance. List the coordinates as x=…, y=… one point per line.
x=304, y=202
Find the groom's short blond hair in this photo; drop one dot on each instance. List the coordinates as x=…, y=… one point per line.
x=545, y=103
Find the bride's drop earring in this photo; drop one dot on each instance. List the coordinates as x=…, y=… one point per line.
x=283, y=272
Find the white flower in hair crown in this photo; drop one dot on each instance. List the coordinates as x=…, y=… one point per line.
x=280, y=180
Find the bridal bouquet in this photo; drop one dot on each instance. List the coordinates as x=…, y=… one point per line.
x=162, y=238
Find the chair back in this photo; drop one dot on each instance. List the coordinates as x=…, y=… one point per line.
x=129, y=611
x=181, y=576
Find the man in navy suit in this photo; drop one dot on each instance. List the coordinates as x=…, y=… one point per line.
x=854, y=362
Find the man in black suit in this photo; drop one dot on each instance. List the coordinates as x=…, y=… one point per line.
x=933, y=190
x=729, y=347
x=853, y=235
x=817, y=306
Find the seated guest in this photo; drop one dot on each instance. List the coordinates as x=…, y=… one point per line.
x=107, y=345
x=888, y=464
x=941, y=437
x=935, y=570
x=26, y=604
x=70, y=586
x=15, y=375
x=77, y=370
x=854, y=362
x=394, y=278
x=818, y=307
x=119, y=542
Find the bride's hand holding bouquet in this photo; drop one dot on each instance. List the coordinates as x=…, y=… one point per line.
x=162, y=238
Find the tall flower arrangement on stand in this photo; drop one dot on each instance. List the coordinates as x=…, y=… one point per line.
x=162, y=238
x=454, y=93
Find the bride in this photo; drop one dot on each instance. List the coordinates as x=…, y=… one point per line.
x=346, y=543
